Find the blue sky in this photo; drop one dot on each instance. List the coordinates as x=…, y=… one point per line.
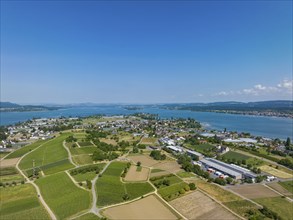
x=145, y=52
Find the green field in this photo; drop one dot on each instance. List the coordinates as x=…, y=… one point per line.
x=9, y=175
x=171, y=178
x=51, y=157
x=172, y=192
x=287, y=185
x=235, y=156
x=280, y=205
x=241, y=207
x=82, y=150
x=82, y=159
x=86, y=172
x=63, y=197
x=85, y=144
x=22, y=151
x=184, y=174
x=21, y=202
x=110, y=189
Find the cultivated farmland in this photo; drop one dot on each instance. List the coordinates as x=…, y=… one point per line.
x=144, y=159
x=110, y=189
x=51, y=157
x=21, y=202
x=279, y=205
x=64, y=198
x=253, y=191
x=147, y=208
x=134, y=175
x=276, y=172
x=197, y=205
x=25, y=149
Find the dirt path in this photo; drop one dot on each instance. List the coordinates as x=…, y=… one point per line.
x=94, y=208
x=291, y=200
x=69, y=155
x=50, y=212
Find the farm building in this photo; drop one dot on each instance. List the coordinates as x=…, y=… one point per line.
x=231, y=170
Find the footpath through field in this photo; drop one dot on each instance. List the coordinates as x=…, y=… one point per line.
x=50, y=212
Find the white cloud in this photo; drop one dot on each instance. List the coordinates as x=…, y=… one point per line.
x=283, y=88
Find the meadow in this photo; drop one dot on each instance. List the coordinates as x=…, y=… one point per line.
x=82, y=159
x=21, y=202
x=287, y=185
x=279, y=205
x=173, y=191
x=51, y=157
x=110, y=189
x=25, y=149
x=235, y=156
x=64, y=198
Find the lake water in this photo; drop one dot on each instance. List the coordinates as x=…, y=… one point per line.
x=271, y=127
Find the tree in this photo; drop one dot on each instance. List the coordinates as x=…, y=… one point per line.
x=138, y=163
x=288, y=142
x=192, y=186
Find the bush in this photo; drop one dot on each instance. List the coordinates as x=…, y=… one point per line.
x=220, y=181
x=192, y=186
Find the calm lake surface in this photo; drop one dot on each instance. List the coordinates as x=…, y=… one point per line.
x=271, y=127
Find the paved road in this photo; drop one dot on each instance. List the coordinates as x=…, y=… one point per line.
x=50, y=212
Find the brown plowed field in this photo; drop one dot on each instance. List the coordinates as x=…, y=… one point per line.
x=253, y=191
x=171, y=166
x=133, y=175
x=147, y=208
x=145, y=160
x=197, y=205
x=9, y=162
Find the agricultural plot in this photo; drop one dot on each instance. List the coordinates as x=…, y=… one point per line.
x=108, y=141
x=10, y=175
x=216, y=191
x=242, y=207
x=184, y=174
x=279, y=205
x=134, y=175
x=9, y=162
x=170, y=166
x=21, y=202
x=174, y=191
x=147, y=208
x=253, y=191
x=282, y=188
x=197, y=205
x=144, y=159
x=170, y=178
x=149, y=141
x=82, y=150
x=82, y=159
x=287, y=185
x=235, y=156
x=85, y=144
x=3, y=154
x=276, y=172
x=203, y=148
x=25, y=149
x=84, y=173
x=111, y=190
x=79, y=136
x=50, y=157
x=63, y=197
